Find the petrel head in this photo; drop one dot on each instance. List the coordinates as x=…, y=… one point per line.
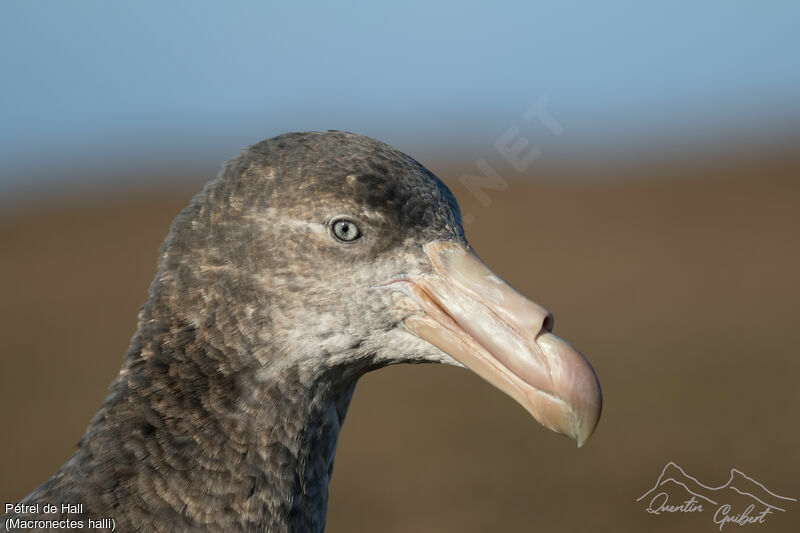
x=338, y=254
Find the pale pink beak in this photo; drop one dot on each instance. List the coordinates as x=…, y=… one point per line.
x=482, y=322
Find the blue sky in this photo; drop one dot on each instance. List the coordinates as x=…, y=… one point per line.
x=86, y=81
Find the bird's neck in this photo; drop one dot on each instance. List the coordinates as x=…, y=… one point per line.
x=189, y=435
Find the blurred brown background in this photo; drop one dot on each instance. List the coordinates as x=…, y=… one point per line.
x=682, y=289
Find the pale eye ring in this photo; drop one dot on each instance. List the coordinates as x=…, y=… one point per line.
x=345, y=230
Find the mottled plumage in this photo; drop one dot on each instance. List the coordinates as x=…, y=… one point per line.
x=227, y=410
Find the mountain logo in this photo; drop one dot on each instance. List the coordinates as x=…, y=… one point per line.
x=741, y=500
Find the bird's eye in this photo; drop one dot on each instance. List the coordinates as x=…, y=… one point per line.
x=345, y=230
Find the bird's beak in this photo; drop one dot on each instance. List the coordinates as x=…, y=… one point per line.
x=483, y=323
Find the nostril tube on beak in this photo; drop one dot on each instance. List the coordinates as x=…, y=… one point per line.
x=547, y=324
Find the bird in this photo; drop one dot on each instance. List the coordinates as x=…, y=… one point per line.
x=311, y=259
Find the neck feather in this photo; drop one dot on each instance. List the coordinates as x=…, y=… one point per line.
x=192, y=437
